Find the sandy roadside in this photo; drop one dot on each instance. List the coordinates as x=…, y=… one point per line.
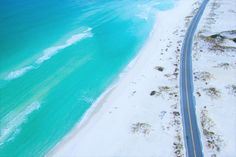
x=214, y=69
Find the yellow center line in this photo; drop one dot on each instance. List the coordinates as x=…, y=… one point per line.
x=190, y=31
x=187, y=97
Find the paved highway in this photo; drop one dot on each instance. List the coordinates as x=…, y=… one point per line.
x=191, y=131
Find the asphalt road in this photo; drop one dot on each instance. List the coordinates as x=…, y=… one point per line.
x=191, y=131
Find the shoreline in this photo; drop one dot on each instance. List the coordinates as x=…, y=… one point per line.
x=97, y=109
x=96, y=106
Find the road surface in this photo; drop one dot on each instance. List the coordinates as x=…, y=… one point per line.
x=191, y=131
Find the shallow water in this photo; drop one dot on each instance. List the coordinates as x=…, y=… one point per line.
x=56, y=58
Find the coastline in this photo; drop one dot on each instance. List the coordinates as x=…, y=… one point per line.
x=97, y=105
x=138, y=74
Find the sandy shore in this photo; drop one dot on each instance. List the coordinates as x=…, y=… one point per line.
x=140, y=114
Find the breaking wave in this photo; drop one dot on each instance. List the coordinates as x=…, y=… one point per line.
x=18, y=73
x=50, y=52
x=10, y=125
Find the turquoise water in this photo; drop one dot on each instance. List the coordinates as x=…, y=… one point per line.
x=56, y=58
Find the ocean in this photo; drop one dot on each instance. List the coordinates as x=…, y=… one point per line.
x=57, y=58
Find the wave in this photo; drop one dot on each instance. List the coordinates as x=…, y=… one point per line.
x=144, y=12
x=10, y=125
x=18, y=73
x=50, y=52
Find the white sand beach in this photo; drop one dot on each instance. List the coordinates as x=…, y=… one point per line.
x=139, y=115
x=128, y=119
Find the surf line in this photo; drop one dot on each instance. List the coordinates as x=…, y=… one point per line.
x=50, y=52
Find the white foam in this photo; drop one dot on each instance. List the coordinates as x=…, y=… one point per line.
x=146, y=9
x=49, y=52
x=18, y=73
x=144, y=12
x=10, y=125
